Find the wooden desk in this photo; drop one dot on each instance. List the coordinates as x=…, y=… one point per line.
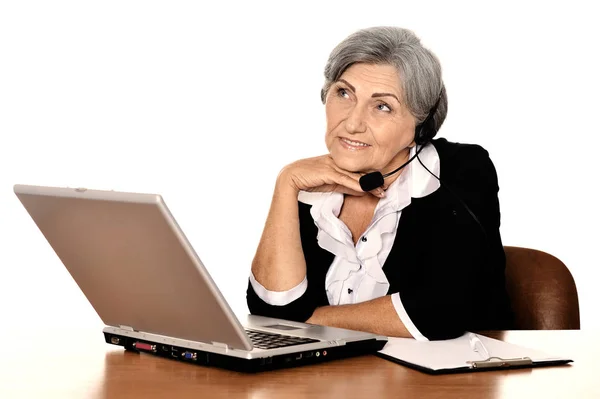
x=83, y=366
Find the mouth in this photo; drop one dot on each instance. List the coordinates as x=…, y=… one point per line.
x=353, y=145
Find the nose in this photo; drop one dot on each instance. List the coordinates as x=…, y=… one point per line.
x=355, y=123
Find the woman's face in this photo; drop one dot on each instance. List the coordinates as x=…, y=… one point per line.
x=368, y=127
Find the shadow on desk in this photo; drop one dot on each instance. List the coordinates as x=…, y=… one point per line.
x=129, y=374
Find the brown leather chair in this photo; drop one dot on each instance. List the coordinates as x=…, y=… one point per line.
x=542, y=291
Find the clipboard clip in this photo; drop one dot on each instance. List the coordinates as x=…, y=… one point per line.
x=489, y=361
x=497, y=362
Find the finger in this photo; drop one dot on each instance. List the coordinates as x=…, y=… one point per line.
x=350, y=182
x=348, y=191
x=337, y=188
x=353, y=175
x=378, y=192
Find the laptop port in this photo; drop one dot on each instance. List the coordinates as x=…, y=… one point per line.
x=144, y=346
x=115, y=340
x=189, y=355
x=174, y=352
x=309, y=354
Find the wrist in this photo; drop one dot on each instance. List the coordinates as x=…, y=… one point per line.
x=317, y=317
x=285, y=182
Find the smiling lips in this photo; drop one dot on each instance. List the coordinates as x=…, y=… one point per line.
x=353, y=145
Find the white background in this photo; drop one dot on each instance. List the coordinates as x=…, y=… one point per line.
x=204, y=103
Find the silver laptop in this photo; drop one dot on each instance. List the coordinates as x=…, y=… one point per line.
x=135, y=266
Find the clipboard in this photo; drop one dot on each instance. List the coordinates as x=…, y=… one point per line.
x=468, y=353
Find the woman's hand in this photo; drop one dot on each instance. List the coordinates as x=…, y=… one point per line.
x=322, y=174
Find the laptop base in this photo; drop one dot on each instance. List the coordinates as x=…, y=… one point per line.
x=211, y=359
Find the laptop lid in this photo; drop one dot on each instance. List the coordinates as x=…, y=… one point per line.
x=133, y=263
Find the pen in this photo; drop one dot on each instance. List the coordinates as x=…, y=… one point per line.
x=478, y=346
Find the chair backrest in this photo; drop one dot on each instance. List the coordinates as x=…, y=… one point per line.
x=542, y=291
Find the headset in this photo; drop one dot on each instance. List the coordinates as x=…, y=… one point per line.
x=424, y=133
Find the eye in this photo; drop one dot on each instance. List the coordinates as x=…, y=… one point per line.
x=343, y=92
x=384, y=107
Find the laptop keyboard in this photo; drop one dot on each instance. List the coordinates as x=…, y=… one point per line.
x=265, y=340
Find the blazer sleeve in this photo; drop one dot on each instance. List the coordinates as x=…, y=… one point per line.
x=298, y=310
x=462, y=273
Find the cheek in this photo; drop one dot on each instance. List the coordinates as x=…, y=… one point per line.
x=329, y=128
x=336, y=110
x=332, y=120
x=394, y=138
x=331, y=114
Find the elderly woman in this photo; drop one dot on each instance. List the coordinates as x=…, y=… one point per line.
x=413, y=256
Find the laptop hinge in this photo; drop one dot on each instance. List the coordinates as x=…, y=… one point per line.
x=126, y=328
x=220, y=345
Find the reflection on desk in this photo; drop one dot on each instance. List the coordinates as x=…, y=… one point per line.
x=83, y=366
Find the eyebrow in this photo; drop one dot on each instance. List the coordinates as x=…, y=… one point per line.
x=374, y=95
x=385, y=95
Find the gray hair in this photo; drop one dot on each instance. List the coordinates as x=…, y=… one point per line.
x=419, y=69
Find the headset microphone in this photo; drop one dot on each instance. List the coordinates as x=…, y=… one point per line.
x=372, y=180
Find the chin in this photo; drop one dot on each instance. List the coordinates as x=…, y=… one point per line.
x=359, y=161
x=349, y=164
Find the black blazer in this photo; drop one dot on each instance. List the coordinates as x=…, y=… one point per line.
x=448, y=269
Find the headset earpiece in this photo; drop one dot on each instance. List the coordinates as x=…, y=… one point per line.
x=425, y=131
